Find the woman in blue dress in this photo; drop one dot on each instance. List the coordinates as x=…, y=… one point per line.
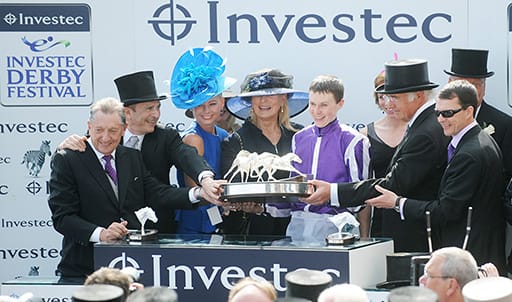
x=197, y=85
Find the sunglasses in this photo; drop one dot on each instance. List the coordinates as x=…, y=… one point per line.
x=447, y=113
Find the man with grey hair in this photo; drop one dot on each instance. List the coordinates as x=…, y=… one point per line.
x=417, y=165
x=447, y=271
x=94, y=194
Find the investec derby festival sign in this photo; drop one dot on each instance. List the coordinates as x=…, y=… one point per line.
x=48, y=61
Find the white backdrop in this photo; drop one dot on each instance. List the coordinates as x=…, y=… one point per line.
x=122, y=40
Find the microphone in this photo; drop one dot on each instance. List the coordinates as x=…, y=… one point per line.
x=468, y=228
x=429, y=232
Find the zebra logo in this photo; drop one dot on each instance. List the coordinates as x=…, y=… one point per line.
x=34, y=159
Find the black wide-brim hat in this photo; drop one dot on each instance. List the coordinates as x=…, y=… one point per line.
x=406, y=75
x=469, y=63
x=137, y=88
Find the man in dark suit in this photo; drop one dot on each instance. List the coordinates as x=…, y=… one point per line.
x=162, y=148
x=418, y=163
x=473, y=178
x=93, y=198
x=471, y=65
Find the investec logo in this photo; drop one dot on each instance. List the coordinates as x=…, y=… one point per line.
x=22, y=19
x=193, y=277
x=173, y=22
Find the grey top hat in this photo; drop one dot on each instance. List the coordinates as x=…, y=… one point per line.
x=491, y=289
x=406, y=75
x=469, y=63
x=137, y=88
x=98, y=293
x=412, y=294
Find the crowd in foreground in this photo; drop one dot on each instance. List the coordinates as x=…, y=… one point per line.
x=450, y=275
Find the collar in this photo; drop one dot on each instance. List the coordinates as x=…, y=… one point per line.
x=419, y=111
x=99, y=154
x=457, y=137
x=324, y=130
x=128, y=134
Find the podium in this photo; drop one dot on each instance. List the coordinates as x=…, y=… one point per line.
x=206, y=267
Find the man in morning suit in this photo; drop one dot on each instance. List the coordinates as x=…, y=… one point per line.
x=162, y=148
x=471, y=65
x=473, y=178
x=94, y=194
x=418, y=163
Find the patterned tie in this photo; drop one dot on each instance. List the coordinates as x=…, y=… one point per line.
x=109, y=169
x=133, y=142
x=451, y=150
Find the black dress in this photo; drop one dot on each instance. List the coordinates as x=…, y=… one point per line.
x=380, y=157
x=251, y=138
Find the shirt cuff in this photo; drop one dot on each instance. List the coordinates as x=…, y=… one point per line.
x=206, y=173
x=334, y=195
x=402, y=203
x=192, y=195
x=95, y=236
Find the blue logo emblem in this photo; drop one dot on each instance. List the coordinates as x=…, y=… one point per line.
x=184, y=23
x=42, y=44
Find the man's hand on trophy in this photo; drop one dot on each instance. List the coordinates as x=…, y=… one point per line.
x=321, y=194
x=212, y=189
x=115, y=231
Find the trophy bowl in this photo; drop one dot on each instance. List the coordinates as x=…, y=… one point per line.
x=266, y=191
x=342, y=238
x=136, y=235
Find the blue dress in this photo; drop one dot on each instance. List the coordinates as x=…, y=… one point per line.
x=197, y=221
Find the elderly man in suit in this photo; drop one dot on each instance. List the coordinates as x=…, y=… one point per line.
x=448, y=271
x=473, y=178
x=162, y=148
x=418, y=163
x=471, y=65
x=94, y=194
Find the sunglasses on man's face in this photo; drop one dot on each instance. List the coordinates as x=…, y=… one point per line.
x=447, y=113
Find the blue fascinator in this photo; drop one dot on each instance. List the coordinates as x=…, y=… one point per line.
x=197, y=77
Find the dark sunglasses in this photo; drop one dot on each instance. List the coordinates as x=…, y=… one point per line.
x=447, y=113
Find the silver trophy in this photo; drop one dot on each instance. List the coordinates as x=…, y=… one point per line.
x=266, y=188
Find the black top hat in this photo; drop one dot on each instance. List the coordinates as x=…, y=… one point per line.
x=398, y=270
x=406, y=76
x=137, y=88
x=306, y=284
x=469, y=63
x=98, y=293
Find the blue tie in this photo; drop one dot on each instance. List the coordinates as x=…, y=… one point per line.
x=451, y=150
x=109, y=169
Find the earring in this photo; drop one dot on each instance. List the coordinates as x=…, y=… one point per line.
x=282, y=110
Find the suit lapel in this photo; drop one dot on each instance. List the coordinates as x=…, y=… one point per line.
x=124, y=172
x=97, y=171
x=417, y=123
